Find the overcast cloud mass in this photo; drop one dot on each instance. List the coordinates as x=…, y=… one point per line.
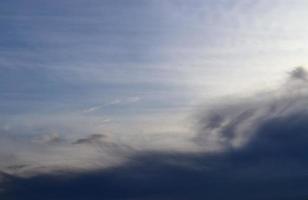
x=153, y=99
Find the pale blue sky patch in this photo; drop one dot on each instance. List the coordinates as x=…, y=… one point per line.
x=140, y=67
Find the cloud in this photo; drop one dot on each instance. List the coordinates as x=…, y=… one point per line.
x=51, y=153
x=114, y=102
x=299, y=73
x=90, y=139
x=232, y=123
x=254, y=148
x=52, y=138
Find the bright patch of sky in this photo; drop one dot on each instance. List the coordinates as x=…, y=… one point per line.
x=135, y=67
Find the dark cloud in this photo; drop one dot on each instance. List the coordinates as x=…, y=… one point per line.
x=299, y=73
x=90, y=139
x=103, y=145
x=231, y=124
x=258, y=150
x=264, y=169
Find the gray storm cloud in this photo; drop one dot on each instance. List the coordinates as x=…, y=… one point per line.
x=231, y=124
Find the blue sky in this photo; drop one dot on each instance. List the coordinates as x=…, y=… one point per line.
x=136, y=71
x=64, y=58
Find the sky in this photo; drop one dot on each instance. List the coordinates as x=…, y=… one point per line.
x=92, y=87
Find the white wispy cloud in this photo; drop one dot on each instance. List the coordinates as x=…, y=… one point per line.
x=114, y=102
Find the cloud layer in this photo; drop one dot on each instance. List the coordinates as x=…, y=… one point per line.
x=253, y=148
